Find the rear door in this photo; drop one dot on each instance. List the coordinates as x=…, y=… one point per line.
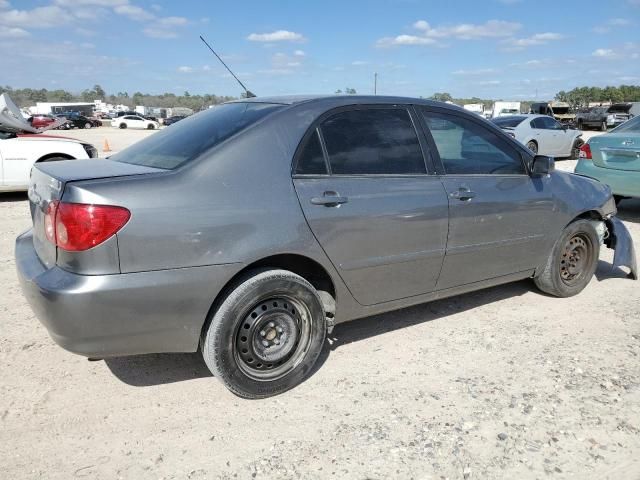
x=363, y=185
x=550, y=142
x=497, y=212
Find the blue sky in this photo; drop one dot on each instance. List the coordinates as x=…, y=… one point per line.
x=510, y=49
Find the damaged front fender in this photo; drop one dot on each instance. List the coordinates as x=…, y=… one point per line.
x=620, y=241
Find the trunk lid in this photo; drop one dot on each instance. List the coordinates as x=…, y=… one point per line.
x=619, y=151
x=47, y=184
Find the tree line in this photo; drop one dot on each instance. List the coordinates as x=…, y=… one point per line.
x=25, y=97
x=582, y=96
x=578, y=97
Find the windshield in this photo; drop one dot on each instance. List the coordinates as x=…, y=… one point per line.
x=189, y=138
x=630, y=126
x=508, y=122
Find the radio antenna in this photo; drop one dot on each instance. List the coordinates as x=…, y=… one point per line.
x=247, y=92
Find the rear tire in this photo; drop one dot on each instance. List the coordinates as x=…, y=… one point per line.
x=580, y=125
x=533, y=146
x=87, y=125
x=572, y=262
x=151, y=127
x=266, y=335
x=123, y=126
x=603, y=126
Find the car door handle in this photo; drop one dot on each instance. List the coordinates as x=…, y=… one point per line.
x=462, y=194
x=329, y=199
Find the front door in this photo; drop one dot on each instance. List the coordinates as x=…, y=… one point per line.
x=365, y=192
x=497, y=212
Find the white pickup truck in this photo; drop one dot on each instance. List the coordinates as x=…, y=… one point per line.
x=21, y=146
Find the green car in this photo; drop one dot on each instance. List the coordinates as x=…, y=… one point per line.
x=614, y=159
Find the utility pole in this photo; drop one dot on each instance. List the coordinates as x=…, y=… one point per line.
x=375, y=83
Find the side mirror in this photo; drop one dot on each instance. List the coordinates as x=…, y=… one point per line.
x=542, y=165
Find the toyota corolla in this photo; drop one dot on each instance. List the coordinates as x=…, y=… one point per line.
x=249, y=230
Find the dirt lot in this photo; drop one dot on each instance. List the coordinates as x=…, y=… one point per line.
x=502, y=383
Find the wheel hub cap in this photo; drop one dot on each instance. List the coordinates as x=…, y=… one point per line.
x=574, y=259
x=269, y=334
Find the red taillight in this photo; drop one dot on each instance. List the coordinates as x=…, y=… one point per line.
x=585, y=152
x=78, y=226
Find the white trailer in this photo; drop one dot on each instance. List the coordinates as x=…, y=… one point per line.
x=475, y=108
x=503, y=109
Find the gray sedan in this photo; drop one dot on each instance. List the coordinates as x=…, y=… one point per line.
x=249, y=230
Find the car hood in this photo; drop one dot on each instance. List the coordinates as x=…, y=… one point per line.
x=12, y=121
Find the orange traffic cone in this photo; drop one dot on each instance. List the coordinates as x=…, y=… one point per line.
x=106, y=147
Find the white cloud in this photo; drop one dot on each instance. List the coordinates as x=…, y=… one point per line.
x=619, y=22
x=479, y=71
x=468, y=31
x=39, y=17
x=359, y=63
x=173, y=21
x=490, y=82
x=155, y=32
x=299, y=53
x=405, y=40
x=277, y=36
x=90, y=3
x=536, y=39
x=603, y=53
x=426, y=34
x=12, y=32
x=134, y=12
x=4, y=4
x=185, y=69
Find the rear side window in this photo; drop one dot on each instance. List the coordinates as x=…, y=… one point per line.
x=311, y=159
x=373, y=141
x=189, y=138
x=467, y=148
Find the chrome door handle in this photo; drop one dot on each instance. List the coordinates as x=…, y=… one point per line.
x=329, y=199
x=462, y=194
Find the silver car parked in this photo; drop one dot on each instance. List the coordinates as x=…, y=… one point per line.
x=250, y=229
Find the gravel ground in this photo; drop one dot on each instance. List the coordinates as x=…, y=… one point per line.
x=501, y=383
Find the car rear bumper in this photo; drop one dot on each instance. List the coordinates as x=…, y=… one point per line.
x=124, y=314
x=622, y=182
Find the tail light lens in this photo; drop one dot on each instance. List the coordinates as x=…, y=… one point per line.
x=78, y=226
x=585, y=152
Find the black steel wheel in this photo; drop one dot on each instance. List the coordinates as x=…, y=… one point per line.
x=572, y=262
x=576, y=258
x=266, y=334
x=273, y=337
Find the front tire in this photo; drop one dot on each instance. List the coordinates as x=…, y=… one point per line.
x=575, y=150
x=151, y=127
x=266, y=335
x=533, y=146
x=87, y=125
x=572, y=262
x=123, y=126
x=603, y=126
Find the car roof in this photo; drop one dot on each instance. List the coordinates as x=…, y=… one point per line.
x=345, y=100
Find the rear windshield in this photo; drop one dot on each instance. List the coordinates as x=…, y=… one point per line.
x=508, y=122
x=630, y=126
x=184, y=141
